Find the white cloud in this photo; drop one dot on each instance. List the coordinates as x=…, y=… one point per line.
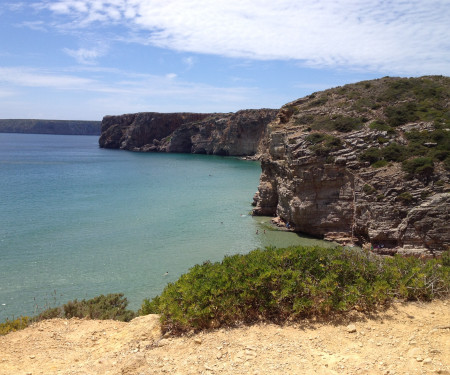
x=171, y=76
x=189, y=62
x=86, y=56
x=385, y=35
x=27, y=77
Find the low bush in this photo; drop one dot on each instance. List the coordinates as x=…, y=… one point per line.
x=405, y=197
x=418, y=167
x=393, y=152
x=111, y=306
x=14, y=325
x=323, y=144
x=371, y=155
x=279, y=285
x=382, y=126
x=315, y=138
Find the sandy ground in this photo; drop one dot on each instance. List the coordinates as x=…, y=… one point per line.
x=409, y=338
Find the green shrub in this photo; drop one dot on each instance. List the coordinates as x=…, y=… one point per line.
x=111, y=306
x=278, y=285
x=369, y=189
x=371, y=155
x=394, y=152
x=14, y=325
x=405, y=197
x=346, y=124
x=382, y=126
x=401, y=114
x=418, y=167
x=323, y=144
x=446, y=258
x=315, y=138
x=380, y=164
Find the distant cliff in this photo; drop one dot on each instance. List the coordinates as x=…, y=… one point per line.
x=237, y=134
x=64, y=127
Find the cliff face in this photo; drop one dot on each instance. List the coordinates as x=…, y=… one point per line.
x=366, y=163
x=345, y=165
x=139, y=131
x=237, y=134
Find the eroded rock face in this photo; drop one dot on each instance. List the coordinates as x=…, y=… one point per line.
x=315, y=181
x=142, y=131
x=349, y=201
x=234, y=134
x=237, y=134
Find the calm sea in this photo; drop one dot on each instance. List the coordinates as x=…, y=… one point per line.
x=77, y=221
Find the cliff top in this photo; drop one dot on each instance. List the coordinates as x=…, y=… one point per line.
x=408, y=338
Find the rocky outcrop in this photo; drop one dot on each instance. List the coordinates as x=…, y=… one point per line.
x=317, y=176
x=234, y=134
x=141, y=131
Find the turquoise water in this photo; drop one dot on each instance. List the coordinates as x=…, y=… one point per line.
x=77, y=221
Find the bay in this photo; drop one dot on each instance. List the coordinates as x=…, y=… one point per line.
x=77, y=221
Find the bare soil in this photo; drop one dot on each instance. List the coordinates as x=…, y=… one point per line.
x=411, y=338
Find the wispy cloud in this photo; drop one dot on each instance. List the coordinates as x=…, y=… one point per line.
x=129, y=92
x=189, y=62
x=28, y=77
x=377, y=35
x=86, y=56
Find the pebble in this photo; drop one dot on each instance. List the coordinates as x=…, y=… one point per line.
x=198, y=340
x=351, y=328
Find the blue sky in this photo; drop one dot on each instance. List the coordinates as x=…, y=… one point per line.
x=79, y=59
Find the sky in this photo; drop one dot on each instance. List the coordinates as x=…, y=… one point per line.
x=81, y=60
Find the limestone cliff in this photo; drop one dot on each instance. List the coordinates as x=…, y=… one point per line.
x=140, y=131
x=234, y=134
x=367, y=162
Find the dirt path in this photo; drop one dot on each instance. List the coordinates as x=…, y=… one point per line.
x=407, y=339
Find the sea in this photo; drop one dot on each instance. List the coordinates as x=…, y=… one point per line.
x=77, y=221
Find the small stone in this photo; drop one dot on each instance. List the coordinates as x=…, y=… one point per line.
x=419, y=359
x=351, y=328
x=32, y=356
x=426, y=361
x=198, y=340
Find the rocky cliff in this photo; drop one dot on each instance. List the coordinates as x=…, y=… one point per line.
x=363, y=163
x=237, y=134
x=142, y=131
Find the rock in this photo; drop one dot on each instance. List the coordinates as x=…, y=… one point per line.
x=233, y=134
x=351, y=328
x=198, y=340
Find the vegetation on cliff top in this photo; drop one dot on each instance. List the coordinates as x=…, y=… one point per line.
x=279, y=285
x=111, y=306
x=383, y=105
